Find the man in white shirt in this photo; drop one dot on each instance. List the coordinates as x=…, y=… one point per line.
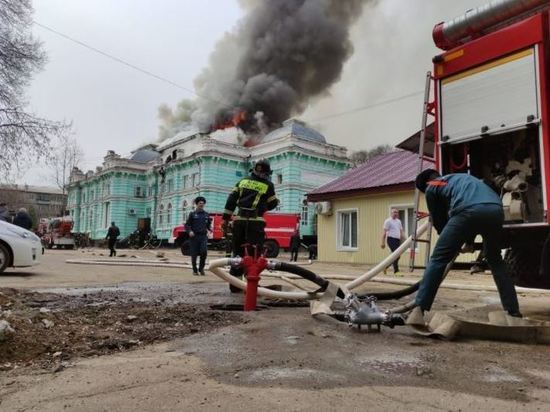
x=392, y=234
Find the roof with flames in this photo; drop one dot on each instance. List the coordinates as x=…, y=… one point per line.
x=296, y=128
x=395, y=170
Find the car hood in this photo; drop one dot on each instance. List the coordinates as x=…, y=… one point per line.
x=9, y=229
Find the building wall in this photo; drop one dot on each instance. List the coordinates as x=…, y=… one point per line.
x=38, y=203
x=110, y=194
x=372, y=210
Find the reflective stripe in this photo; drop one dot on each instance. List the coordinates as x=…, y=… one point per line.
x=259, y=219
x=437, y=183
x=272, y=198
x=259, y=187
x=256, y=200
x=235, y=189
x=227, y=212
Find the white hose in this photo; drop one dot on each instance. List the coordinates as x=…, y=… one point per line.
x=216, y=268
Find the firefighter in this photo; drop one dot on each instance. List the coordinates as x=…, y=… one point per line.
x=461, y=207
x=253, y=195
x=112, y=234
x=198, y=225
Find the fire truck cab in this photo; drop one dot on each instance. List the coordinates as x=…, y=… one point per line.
x=492, y=113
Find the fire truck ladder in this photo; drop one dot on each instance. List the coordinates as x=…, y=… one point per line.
x=428, y=110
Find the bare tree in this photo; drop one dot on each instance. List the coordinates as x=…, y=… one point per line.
x=362, y=156
x=23, y=136
x=66, y=155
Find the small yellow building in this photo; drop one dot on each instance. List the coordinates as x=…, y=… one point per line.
x=352, y=209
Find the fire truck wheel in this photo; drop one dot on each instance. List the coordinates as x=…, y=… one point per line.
x=4, y=257
x=523, y=263
x=271, y=248
x=185, y=248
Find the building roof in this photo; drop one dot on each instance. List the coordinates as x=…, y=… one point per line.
x=397, y=169
x=144, y=155
x=33, y=189
x=412, y=143
x=296, y=128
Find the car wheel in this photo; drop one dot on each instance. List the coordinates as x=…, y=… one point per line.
x=271, y=248
x=4, y=257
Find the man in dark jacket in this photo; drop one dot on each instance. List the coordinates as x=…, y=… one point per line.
x=253, y=195
x=4, y=212
x=461, y=207
x=23, y=219
x=294, y=246
x=112, y=235
x=198, y=225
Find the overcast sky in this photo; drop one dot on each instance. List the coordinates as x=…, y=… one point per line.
x=114, y=107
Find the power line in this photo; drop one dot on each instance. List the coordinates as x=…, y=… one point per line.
x=125, y=63
x=172, y=83
x=362, y=108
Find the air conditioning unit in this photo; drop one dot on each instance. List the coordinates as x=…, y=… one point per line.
x=132, y=212
x=324, y=208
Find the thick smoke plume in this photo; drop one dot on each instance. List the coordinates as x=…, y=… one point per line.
x=281, y=55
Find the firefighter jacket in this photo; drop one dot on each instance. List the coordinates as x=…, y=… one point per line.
x=198, y=222
x=253, y=196
x=449, y=195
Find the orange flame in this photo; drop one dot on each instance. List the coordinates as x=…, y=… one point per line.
x=234, y=121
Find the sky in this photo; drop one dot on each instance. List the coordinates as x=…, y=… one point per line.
x=114, y=107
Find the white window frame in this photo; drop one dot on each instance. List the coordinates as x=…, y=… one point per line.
x=339, y=246
x=404, y=206
x=304, y=215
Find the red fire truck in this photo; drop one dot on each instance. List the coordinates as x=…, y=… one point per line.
x=56, y=232
x=492, y=114
x=278, y=230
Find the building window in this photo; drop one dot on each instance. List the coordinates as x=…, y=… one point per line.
x=83, y=197
x=150, y=190
x=107, y=215
x=169, y=214
x=279, y=205
x=148, y=212
x=304, y=219
x=170, y=185
x=91, y=196
x=279, y=178
x=347, y=229
x=185, y=183
x=195, y=179
x=139, y=192
x=406, y=215
x=161, y=215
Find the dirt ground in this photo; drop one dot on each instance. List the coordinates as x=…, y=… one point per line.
x=93, y=338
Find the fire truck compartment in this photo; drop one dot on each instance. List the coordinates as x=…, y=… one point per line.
x=511, y=164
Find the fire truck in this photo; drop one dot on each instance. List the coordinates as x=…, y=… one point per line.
x=278, y=231
x=491, y=118
x=57, y=232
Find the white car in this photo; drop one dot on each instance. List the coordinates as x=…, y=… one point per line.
x=18, y=247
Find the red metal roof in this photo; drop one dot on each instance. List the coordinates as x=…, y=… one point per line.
x=389, y=171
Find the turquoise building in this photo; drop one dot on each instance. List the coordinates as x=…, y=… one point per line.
x=160, y=181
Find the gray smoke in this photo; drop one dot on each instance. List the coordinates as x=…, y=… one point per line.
x=280, y=56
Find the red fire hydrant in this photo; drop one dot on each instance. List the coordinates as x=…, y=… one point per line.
x=253, y=266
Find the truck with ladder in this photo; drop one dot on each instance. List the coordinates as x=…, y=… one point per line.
x=488, y=97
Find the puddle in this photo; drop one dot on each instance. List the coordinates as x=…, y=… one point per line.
x=273, y=374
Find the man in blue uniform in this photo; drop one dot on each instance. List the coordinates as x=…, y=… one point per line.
x=198, y=225
x=253, y=195
x=461, y=207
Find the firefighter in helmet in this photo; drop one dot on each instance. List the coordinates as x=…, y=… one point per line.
x=253, y=196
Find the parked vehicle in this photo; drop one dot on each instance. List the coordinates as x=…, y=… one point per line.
x=58, y=232
x=18, y=247
x=492, y=117
x=279, y=229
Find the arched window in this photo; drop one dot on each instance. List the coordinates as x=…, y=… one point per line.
x=169, y=214
x=161, y=215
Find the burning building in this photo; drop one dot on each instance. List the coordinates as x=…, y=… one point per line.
x=160, y=181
